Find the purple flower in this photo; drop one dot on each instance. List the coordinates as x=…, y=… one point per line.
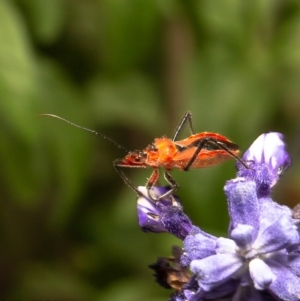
x=165, y=215
x=269, y=149
x=260, y=253
x=256, y=254
x=268, y=159
x=261, y=258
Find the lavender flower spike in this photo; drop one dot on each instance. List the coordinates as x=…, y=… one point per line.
x=269, y=149
x=165, y=215
x=261, y=258
x=258, y=261
x=268, y=159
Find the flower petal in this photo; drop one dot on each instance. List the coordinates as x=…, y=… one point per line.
x=216, y=269
x=197, y=246
x=280, y=235
x=286, y=286
x=261, y=274
x=294, y=263
x=225, y=245
x=156, y=191
x=271, y=211
x=268, y=157
x=165, y=215
x=243, y=204
x=270, y=149
x=243, y=235
x=148, y=213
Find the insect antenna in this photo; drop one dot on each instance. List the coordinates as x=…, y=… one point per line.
x=86, y=129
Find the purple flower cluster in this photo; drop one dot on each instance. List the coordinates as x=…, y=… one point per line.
x=260, y=259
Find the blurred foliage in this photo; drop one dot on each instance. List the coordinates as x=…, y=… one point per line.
x=129, y=69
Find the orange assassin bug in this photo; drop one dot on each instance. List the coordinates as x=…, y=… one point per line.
x=197, y=151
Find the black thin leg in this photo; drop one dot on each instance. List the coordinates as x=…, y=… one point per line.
x=168, y=178
x=187, y=116
x=150, y=183
x=207, y=141
x=172, y=182
x=125, y=179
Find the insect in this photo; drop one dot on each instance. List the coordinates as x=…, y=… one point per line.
x=197, y=151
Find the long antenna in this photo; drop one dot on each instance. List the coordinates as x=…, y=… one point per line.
x=86, y=129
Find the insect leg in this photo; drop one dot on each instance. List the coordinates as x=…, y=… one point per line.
x=173, y=184
x=229, y=152
x=187, y=116
x=125, y=178
x=152, y=180
x=208, y=140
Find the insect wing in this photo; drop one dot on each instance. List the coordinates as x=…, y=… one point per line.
x=211, y=153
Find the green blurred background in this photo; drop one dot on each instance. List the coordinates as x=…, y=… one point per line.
x=129, y=69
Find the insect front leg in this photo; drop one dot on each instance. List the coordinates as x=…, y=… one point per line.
x=187, y=117
x=153, y=179
x=151, y=182
x=125, y=178
x=173, y=184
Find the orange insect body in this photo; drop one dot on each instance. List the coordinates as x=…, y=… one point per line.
x=197, y=151
x=168, y=154
x=158, y=154
x=210, y=154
